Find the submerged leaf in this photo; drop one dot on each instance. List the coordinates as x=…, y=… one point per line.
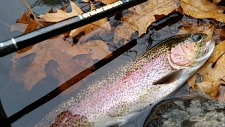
x=69, y=60
x=202, y=9
x=97, y=49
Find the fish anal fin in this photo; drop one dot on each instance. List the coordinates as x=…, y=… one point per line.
x=169, y=78
x=66, y=118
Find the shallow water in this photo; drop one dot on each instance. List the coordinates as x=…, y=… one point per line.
x=14, y=95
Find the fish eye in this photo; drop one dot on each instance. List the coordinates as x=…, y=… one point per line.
x=196, y=37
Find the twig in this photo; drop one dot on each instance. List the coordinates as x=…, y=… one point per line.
x=35, y=18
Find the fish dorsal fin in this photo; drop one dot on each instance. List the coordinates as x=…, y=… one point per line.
x=171, y=77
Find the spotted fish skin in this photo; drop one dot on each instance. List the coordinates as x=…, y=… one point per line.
x=133, y=90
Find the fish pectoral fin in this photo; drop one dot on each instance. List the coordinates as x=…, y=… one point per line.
x=171, y=77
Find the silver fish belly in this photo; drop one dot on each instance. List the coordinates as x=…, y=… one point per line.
x=112, y=100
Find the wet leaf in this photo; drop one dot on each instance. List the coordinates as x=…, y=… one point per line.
x=102, y=23
x=192, y=28
x=61, y=15
x=202, y=9
x=142, y=16
x=123, y=31
x=211, y=73
x=107, y=1
x=103, y=1
x=70, y=60
x=25, y=19
x=97, y=49
x=32, y=26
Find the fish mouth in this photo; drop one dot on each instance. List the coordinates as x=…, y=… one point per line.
x=208, y=51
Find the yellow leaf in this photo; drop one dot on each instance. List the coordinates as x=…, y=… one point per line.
x=205, y=28
x=212, y=76
x=25, y=19
x=143, y=14
x=209, y=87
x=103, y=1
x=202, y=9
x=107, y=1
x=102, y=23
x=61, y=15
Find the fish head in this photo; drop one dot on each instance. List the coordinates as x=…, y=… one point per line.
x=193, y=51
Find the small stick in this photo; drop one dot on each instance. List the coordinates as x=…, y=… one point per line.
x=35, y=18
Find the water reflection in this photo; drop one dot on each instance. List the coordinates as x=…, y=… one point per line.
x=22, y=106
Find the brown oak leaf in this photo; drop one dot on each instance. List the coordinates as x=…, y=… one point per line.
x=25, y=19
x=212, y=74
x=61, y=15
x=142, y=16
x=202, y=9
x=58, y=51
x=192, y=28
x=103, y=1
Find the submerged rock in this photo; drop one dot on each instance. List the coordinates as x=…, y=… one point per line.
x=187, y=112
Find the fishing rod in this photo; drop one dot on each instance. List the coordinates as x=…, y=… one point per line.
x=25, y=40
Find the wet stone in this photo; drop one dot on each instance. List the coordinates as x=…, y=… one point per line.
x=187, y=112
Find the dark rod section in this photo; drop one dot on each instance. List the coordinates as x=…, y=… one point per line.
x=25, y=40
x=70, y=82
x=3, y=117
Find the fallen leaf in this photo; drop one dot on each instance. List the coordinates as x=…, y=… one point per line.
x=123, y=31
x=103, y=1
x=32, y=26
x=216, y=1
x=202, y=9
x=209, y=87
x=143, y=14
x=192, y=28
x=212, y=76
x=21, y=26
x=102, y=23
x=96, y=48
x=69, y=60
x=25, y=19
x=106, y=1
x=61, y=15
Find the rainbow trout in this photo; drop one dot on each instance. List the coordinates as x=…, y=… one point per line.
x=159, y=72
